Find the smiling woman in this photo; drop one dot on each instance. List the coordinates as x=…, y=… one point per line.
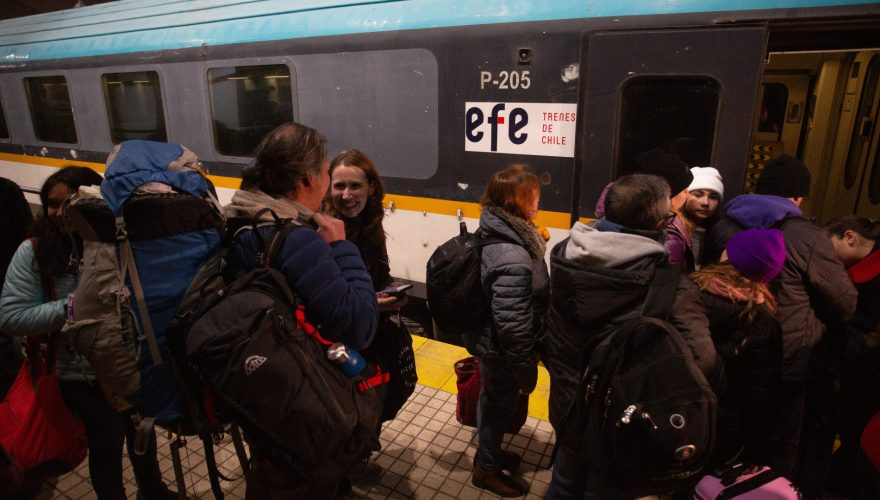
x=355, y=196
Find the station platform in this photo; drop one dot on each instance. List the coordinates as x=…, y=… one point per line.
x=426, y=454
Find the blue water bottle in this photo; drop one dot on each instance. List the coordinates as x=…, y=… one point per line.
x=349, y=360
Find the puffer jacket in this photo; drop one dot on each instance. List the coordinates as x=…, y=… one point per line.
x=598, y=276
x=24, y=310
x=331, y=280
x=813, y=289
x=748, y=410
x=517, y=287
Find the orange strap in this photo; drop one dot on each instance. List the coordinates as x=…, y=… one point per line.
x=376, y=380
x=307, y=327
x=364, y=385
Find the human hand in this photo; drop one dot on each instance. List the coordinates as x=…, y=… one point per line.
x=330, y=228
x=390, y=302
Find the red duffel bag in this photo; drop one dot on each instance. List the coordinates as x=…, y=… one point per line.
x=467, y=373
x=36, y=428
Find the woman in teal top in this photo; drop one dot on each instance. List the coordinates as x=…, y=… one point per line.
x=38, y=288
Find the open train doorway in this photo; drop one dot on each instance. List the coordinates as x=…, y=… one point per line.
x=823, y=107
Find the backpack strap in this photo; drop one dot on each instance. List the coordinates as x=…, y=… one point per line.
x=129, y=265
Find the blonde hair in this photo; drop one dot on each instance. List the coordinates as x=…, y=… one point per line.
x=728, y=275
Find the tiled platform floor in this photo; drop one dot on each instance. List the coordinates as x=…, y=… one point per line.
x=426, y=454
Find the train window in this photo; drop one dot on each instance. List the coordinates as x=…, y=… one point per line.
x=247, y=102
x=51, y=109
x=4, y=130
x=677, y=114
x=134, y=106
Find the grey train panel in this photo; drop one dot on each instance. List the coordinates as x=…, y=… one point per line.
x=382, y=102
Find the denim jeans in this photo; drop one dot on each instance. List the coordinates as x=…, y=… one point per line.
x=568, y=481
x=499, y=399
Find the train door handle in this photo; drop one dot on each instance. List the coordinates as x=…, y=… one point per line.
x=866, y=127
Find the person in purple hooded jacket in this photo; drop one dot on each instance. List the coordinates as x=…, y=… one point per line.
x=813, y=292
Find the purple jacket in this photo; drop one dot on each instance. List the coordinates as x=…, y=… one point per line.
x=679, y=245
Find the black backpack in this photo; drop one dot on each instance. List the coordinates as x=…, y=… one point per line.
x=454, y=289
x=269, y=370
x=645, y=410
x=392, y=351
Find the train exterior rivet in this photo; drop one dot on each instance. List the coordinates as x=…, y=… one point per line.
x=425, y=244
x=524, y=56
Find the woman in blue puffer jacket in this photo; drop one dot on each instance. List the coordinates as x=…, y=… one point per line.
x=517, y=284
x=290, y=176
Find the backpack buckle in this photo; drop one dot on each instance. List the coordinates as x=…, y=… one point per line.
x=121, y=231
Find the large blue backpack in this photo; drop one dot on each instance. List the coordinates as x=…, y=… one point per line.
x=152, y=241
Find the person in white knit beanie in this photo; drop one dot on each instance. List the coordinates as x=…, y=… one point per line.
x=701, y=208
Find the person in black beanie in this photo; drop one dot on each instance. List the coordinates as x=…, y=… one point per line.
x=785, y=176
x=679, y=245
x=812, y=275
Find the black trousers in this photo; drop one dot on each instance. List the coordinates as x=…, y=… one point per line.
x=106, y=429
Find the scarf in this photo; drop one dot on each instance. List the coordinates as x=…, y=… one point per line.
x=248, y=203
x=526, y=230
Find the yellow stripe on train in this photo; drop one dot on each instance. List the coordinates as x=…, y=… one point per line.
x=560, y=220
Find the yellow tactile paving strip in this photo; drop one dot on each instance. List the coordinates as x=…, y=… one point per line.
x=434, y=365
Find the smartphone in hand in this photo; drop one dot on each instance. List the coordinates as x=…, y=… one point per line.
x=396, y=290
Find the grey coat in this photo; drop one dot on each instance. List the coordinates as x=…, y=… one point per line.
x=517, y=287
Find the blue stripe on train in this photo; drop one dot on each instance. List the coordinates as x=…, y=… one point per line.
x=133, y=28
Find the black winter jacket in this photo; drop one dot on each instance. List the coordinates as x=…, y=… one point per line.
x=748, y=410
x=813, y=289
x=517, y=286
x=589, y=291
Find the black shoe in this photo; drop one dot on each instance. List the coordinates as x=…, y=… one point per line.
x=163, y=494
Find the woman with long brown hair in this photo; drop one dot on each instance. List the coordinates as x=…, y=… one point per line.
x=355, y=197
x=36, y=297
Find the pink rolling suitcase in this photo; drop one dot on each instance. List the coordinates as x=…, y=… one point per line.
x=763, y=484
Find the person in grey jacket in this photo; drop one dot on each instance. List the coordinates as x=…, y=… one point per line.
x=601, y=272
x=516, y=284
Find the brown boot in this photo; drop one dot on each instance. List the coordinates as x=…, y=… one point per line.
x=510, y=461
x=496, y=481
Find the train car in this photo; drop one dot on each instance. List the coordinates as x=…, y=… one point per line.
x=441, y=93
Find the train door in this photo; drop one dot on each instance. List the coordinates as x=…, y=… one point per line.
x=856, y=162
x=690, y=91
